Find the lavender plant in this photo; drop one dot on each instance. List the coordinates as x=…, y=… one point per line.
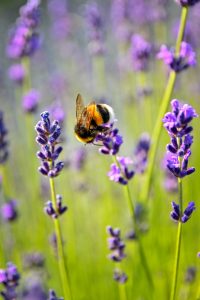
x=48, y=138
x=177, y=124
x=177, y=61
x=120, y=173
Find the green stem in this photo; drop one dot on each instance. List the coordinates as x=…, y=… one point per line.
x=26, y=86
x=178, y=246
x=140, y=246
x=184, y=14
x=132, y=213
x=165, y=102
x=64, y=274
x=122, y=291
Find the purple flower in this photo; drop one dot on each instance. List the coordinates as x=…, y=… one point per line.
x=177, y=125
x=10, y=280
x=30, y=13
x=55, y=212
x=119, y=172
x=48, y=134
x=57, y=112
x=3, y=142
x=111, y=141
x=52, y=296
x=188, y=212
x=190, y=274
x=23, y=39
x=60, y=18
x=78, y=158
x=187, y=2
x=140, y=52
x=8, y=210
x=176, y=214
x=115, y=244
x=186, y=58
x=30, y=101
x=33, y=260
x=95, y=24
x=120, y=276
x=141, y=153
x=16, y=73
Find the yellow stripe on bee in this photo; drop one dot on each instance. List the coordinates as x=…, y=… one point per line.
x=97, y=117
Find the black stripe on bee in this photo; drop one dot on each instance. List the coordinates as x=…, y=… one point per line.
x=103, y=112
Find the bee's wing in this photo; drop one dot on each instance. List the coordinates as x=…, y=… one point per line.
x=88, y=114
x=79, y=106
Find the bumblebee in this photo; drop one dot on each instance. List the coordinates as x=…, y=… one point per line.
x=91, y=119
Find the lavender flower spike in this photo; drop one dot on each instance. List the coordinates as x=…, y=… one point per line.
x=60, y=209
x=176, y=214
x=186, y=58
x=111, y=141
x=140, y=53
x=117, y=246
x=10, y=280
x=48, y=134
x=179, y=129
x=120, y=172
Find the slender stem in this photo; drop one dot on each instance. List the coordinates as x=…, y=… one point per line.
x=141, y=249
x=184, y=14
x=64, y=274
x=132, y=213
x=26, y=86
x=122, y=291
x=121, y=286
x=165, y=102
x=178, y=246
x=156, y=135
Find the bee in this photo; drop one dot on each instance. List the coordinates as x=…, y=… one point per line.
x=91, y=119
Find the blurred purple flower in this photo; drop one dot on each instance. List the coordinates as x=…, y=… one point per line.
x=57, y=112
x=140, y=52
x=119, y=172
x=33, y=260
x=3, y=142
x=30, y=101
x=115, y=244
x=78, y=158
x=186, y=58
x=34, y=290
x=95, y=28
x=120, y=276
x=121, y=23
x=30, y=13
x=23, y=40
x=16, y=73
x=9, y=210
x=141, y=153
x=58, y=11
x=9, y=277
x=190, y=274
